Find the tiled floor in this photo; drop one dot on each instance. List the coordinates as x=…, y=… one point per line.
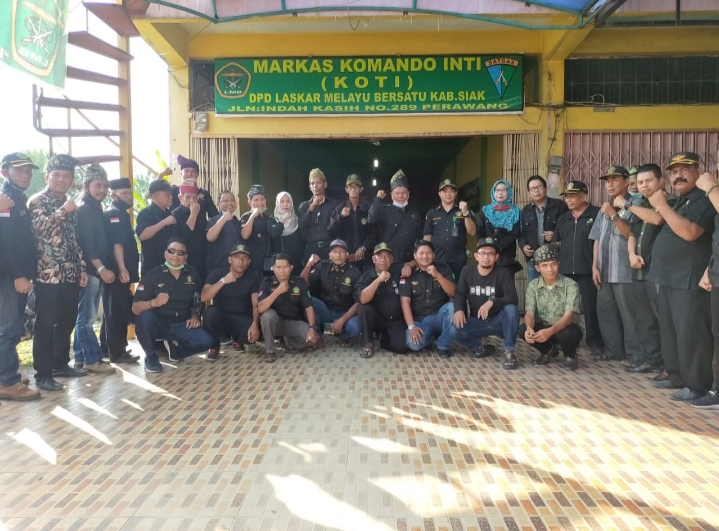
x=327, y=440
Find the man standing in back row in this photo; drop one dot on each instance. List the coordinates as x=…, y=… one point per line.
x=397, y=224
x=315, y=215
x=447, y=226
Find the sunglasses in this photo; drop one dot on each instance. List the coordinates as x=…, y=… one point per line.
x=178, y=252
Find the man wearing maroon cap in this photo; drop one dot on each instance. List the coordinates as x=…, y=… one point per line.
x=187, y=215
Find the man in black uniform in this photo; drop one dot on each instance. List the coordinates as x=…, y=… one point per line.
x=380, y=309
x=350, y=223
x=18, y=267
x=492, y=301
x=539, y=221
x=447, y=226
x=189, y=228
x=334, y=279
x=258, y=229
x=167, y=307
x=124, y=261
x=576, y=253
x=646, y=224
x=397, y=224
x=425, y=302
x=681, y=252
x=315, y=215
x=190, y=170
x=223, y=233
x=155, y=225
x=286, y=309
x=234, y=308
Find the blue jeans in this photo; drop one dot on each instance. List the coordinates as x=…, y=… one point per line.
x=504, y=324
x=85, y=343
x=12, y=323
x=150, y=327
x=324, y=315
x=532, y=273
x=437, y=326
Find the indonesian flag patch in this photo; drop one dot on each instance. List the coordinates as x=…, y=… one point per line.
x=401, y=280
x=114, y=220
x=140, y=287
x=5, y=213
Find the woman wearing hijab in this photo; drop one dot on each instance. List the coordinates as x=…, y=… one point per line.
x=291, y=241
x=500, y=220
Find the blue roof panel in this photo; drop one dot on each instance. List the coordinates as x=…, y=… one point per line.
x=574, y=6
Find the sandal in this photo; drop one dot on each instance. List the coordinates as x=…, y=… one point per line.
x=510, y=361
x=366, y=352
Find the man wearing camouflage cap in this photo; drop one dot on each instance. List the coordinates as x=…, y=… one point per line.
x=552, y=309
x=314, y=218
x=96, y=251
x=397, y=224
x=61, y=273
x=350, y=223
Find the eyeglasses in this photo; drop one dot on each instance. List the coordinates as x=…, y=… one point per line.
x=536, y=188
x=485, y=253
x=178, y=252
x=500, y=190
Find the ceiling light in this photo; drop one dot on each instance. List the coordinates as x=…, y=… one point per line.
x=376, y=163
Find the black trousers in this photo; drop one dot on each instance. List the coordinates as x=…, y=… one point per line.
x=321, y=249
x=685, y=329
x=645, y=321
x=589, y=304
x=55, y=315
x=715, y=331
x=391, y=333
x=219, y=323
x=117, y=315
x=568, y=338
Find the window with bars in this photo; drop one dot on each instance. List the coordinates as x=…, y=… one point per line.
x=642, y=80
x=202, y=85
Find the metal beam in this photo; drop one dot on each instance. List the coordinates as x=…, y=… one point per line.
x=606, y=11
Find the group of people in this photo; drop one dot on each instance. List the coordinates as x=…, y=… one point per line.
x=639, y=268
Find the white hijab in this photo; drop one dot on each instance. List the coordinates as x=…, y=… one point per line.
x=288, y=219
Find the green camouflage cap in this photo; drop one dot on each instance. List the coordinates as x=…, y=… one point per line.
x=93, y=172
x=399, y=180
x=546, y=253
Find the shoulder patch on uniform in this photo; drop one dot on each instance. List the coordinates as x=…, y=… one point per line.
x=114, y=220
x=140, y=287
x=401, y=280
x=5, y=213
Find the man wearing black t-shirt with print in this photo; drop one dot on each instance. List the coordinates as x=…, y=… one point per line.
x=234, y=311
x=492, y=304
x=681, y=253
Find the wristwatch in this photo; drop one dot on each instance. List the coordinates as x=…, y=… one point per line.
x=628, y=204
x=315, y=327
x=410, y=327
x=614, y=217
x=467, y=214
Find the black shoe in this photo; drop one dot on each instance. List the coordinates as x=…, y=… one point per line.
x=570, y=364
x=238, y=347
x=48, y=384
x=211, y=355
x=596, y=351
x=708, y=401
x=484, y=351
x=510, y=361
x=125, y=358
x=667, y=384
x=68, y=372
x=685, y=395
x=444, y=353
x=601, y=357
x=644, y=367
x=270, y=357
x=544, y=359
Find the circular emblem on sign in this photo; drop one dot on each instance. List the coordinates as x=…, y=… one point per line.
x=232, y=81
x=295, y=290
x=363, y=221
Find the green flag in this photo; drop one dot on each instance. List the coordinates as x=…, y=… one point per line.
x=32, y=38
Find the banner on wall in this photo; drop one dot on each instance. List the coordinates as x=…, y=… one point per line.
x=32, y=38
x=426, y=84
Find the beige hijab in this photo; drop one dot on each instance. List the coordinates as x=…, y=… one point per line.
x=288, y=219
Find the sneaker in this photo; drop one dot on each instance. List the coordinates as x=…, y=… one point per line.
x=570, y=364
x=238, y=347
x=484, y=351
x=19, y=392
x=152, y=364
x=226, y=340
x=174, y=351
x=68, y=372
x=78, y=364
x=444, y=353
x=99, y=368
x=211, y=355
x=708, y=401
